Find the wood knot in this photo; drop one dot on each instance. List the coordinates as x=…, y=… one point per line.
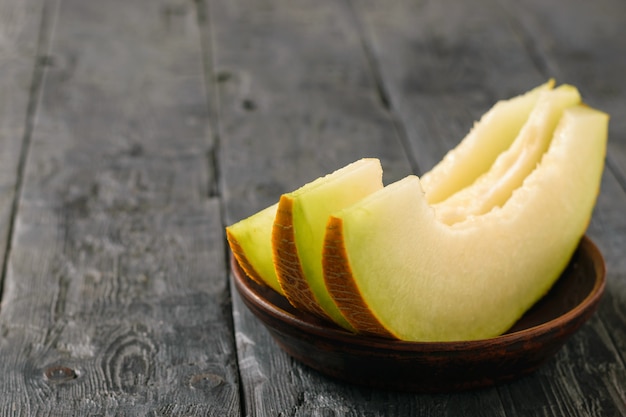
x=248, y=105
x=45, y=61
x=205, y=381
x=59, y=374
x=223, y=76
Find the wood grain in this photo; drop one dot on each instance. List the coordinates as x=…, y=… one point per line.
x=116, y=300
x=296, y=101
x=132, y=132
x=20, y=24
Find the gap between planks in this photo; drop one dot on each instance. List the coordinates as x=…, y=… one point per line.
x=49, y=13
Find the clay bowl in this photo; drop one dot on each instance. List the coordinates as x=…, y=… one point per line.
x=442, y=366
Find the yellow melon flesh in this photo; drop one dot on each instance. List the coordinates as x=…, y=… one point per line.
x=475, y=154
x=249, y=240
x=298, y=233
x=394, y=269
x=512, y=166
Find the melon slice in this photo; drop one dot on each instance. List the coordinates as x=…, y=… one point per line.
x=249, y=240
x=491, y=135
x=394, y=269
x=298, y=233
x=512, y=166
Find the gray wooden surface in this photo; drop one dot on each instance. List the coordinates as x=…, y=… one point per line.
x=133, y=131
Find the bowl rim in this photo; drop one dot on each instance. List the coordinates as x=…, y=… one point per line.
x=589, y=302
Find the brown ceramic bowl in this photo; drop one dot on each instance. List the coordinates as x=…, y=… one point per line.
x=441, y=366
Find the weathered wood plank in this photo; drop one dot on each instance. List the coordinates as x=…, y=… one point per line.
x=19, y=29
x=296, y=99
x=116, y=299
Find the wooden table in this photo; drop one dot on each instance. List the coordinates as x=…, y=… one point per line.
x=133, y=131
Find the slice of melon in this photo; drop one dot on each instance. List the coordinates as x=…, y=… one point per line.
x=394, y=269
x=512, y=166
x=299, y=227
x=249, y=240
x=491, y=135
